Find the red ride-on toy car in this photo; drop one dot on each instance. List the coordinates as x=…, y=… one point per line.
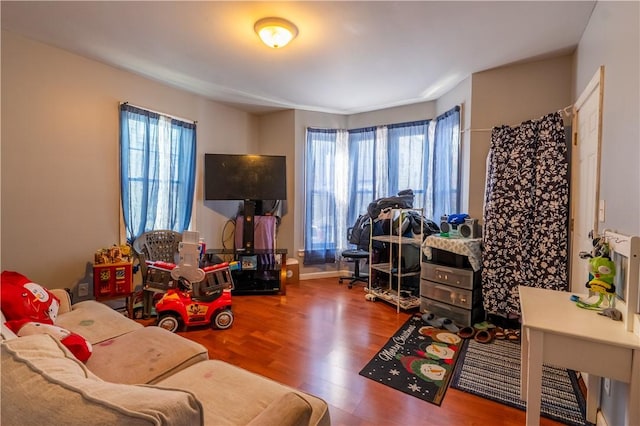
x=206, y=302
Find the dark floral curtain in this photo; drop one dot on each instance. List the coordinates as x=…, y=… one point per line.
x=525, y=238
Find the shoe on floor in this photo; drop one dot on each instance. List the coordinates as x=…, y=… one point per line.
x=513, y=335
x=450, y=325
x=432, y=319
x=484, y=325
x=467, y=332
x=483, y=336
x=442, y=322
x=500, y=333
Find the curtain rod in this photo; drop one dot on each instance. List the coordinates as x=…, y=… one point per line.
x=566, y=111
x=161, y=113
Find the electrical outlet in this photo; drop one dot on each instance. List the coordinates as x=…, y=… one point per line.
x=607, y=386
x=83, y=289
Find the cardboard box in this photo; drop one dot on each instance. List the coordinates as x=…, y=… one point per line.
x=293, y=271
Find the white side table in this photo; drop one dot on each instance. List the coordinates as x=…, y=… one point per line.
x=556, y=332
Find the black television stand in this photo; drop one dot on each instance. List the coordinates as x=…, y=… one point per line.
x=261, y=271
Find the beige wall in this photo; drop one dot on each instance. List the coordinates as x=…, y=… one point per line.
x=509, y=96
x=60, y=144
x=612, y=39
x=399, y=114
x=277, y=137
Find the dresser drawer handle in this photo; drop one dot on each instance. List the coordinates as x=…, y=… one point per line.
x=443, y=288
x=441, y=306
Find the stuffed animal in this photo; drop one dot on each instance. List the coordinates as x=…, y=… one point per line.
x=24, y=299
x=32, y=309
x=78, y=346
x=602, y=271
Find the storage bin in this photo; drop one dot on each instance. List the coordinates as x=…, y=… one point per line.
x=460, y=316
x=450, y=294
x=293, y=271
x=444, y=257
x=462, y=278
x=112, y=280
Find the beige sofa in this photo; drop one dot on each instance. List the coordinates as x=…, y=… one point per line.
x=136, y=375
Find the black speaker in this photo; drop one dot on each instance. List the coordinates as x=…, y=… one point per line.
x=445, y=227
x=469, y=229
x=248, y=226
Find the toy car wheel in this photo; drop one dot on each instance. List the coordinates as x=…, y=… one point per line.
x=169, y=322
x=223, y=319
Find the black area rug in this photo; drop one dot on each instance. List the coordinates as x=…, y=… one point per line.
x=492, y=371
x=418, y=360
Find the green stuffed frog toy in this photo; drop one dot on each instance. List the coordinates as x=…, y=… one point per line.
x=602, y=271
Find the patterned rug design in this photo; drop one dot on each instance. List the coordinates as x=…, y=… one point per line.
x=492, y=371
x=418, y=360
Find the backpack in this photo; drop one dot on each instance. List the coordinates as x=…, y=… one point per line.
x=361, y=232
x=404, y=200
x=428, y=226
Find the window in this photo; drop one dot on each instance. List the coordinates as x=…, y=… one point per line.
x=410, y=154
x=324, y=199
x=157, y=166
x=444, y=184
x=348, y=169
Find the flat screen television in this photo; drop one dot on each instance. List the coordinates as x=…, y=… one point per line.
x=252, y=178
x=245, y=177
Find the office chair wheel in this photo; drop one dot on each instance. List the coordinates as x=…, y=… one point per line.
x=223, y=319
x=169, y=322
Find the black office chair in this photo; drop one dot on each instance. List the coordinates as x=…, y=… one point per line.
x=355, y=255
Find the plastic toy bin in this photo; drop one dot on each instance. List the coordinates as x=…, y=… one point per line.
x=112, y=280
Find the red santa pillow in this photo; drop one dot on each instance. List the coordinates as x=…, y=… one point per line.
x=77, y=344
x=21, y=299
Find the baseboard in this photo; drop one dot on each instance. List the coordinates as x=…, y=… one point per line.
x=600, y=420
x=329, y=274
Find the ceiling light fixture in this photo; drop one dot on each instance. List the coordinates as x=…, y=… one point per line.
x=275, y=32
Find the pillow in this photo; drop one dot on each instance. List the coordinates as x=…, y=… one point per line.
x=78, y=346
x=7, y=333
x=43, y=384
x=21, y=299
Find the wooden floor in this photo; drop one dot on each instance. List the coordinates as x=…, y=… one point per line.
x=318, y=337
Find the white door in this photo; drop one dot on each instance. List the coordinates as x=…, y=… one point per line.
x=585, y=176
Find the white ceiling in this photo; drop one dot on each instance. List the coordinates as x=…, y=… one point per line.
x=349, y=57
